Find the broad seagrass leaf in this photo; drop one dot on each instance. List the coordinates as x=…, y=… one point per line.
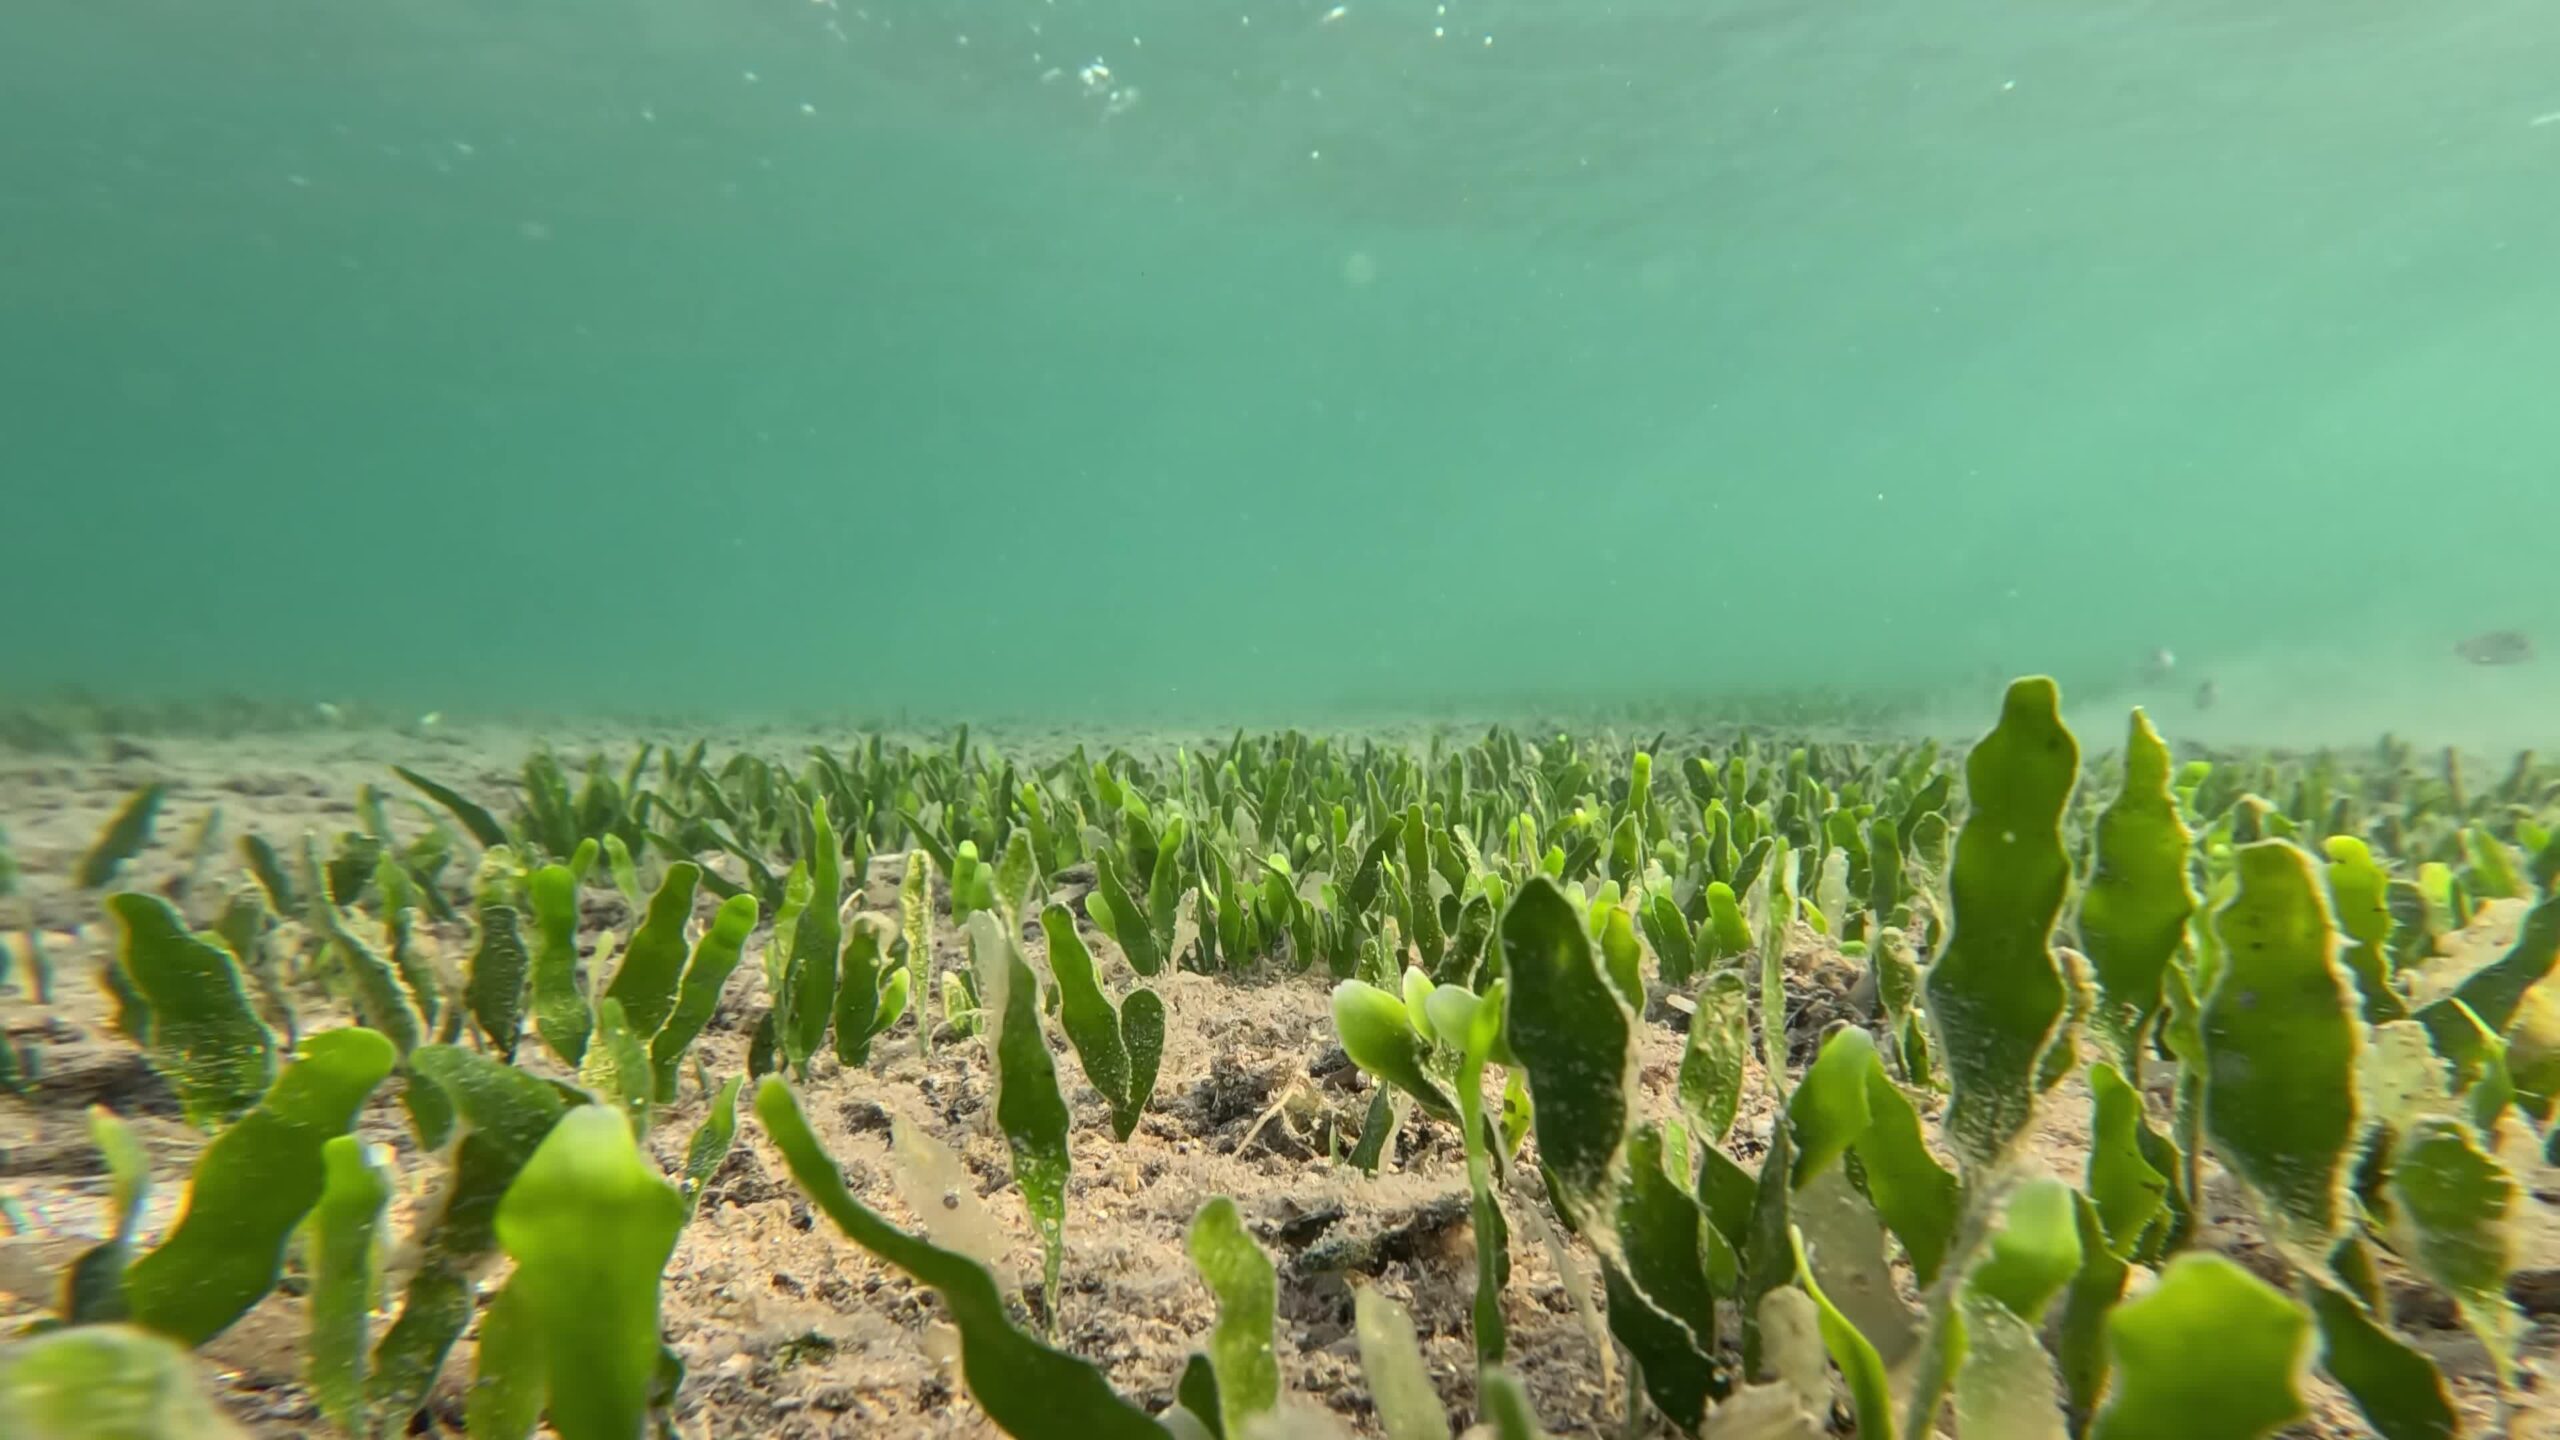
x=1996, y=990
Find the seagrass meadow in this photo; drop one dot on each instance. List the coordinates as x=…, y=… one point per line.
x=1279, y=719
x=1719, y=1083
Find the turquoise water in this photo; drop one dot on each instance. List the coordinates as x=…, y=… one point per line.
x=1169, y=359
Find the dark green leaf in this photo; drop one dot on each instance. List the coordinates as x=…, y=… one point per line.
x=268, y=868
x=125, y=836
x=1766, y=1236
x=484, y=827
x=715, y=956
x=496, y=986
x=806, y=1004
x=1660, y=1305
x=1095, y=1028
x=653, y=963
x=1197, y=1395
x=1029, y=1109
x=2086, y=1304
x=506, y=1114
x=1120, y=917
x=709, y=1146
x=1996, y=990
x=1574, y=1036
x=1029, y=1390
x=2496, y=989
x=2397, y=1387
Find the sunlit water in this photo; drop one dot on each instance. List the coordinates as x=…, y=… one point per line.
x=1171, y=360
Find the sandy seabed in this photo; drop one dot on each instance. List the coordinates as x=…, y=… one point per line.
x=790, y=1331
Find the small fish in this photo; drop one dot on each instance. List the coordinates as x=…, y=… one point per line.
x=2497, y=647
x=2206, y=694
x=2158, y=665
